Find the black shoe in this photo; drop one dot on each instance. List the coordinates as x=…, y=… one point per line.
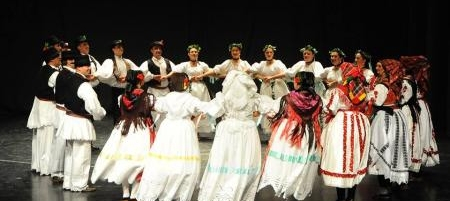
x=89, y=189
x=94, y=148
x=57, y=180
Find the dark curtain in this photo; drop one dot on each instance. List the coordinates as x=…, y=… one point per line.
x=385, y=29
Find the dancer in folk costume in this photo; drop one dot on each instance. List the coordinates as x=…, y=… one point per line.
x=293, y=155
x=389, y=146
x=332, y=77
x=271, y=72
x=420, y=67
x=411, y=109
x=172, y=169
x=122, y=158
x=197, y=87
x=83, y=107
x=58, y=143
x=363, y=61
x=42, y=114
x=234, y=165
x=346, y=138
x=309, y=64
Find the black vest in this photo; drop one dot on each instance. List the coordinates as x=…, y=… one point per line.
x=62, y=81
x=72, y=102
x=155, y=70
x=43, y=90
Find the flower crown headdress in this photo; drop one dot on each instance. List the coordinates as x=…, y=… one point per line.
x=310, y=48
x=238, y=45
x=196, y=46
x=274, y=48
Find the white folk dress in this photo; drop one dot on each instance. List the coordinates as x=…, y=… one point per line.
x=345, y=141
x=234, y=165
x=389, y=143
x=172, y=169
x=275, y=88
x=198, y=89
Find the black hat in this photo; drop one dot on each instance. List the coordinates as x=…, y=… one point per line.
x=64, y=44
x=52, y=40
x=50, y=54
x=157, y=43
x=116, y=43
x=68, y=54
x=82, y=60
x=81, y=39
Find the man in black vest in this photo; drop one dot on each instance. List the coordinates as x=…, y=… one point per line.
x=77, y=128
x=154, y=68
x=41, y=118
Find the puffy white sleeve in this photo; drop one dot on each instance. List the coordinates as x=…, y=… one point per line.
x=318, y=70
x=147, y=74
x=290, y=72
x=280, y=66
x=215, y=107
x=91, y=102
x=106, y=71
x=179, y=68
x=52, y=79
x=379, y=94
x=331, y=103
x=133, y=66
x=255, y=67
x=406, y=92
x=222, y=68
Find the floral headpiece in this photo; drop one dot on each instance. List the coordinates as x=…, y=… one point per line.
x=339, y=51
x=196, y=46
x=310, y=48
x=274, y=48
x=140, y=76
x=185, y=83
x=238, y=45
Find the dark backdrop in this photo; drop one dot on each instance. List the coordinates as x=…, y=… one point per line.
x=385, y=29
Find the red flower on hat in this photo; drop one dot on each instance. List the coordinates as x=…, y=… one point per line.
x=140, y=76
x=297, y=80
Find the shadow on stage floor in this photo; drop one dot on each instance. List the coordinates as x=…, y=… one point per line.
x=19, y=183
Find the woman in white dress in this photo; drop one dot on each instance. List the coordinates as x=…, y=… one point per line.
x=193, y=68
x=411, y=109
x=389, y=148
x=122, y=158
x=233, y=168
x=346, y=138
x=172, y=168
x=271, y=72
x=362, y=61
x=421, y=69
x=309, y=64
x=293, y=155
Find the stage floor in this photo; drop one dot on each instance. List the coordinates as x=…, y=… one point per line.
x=19, y=183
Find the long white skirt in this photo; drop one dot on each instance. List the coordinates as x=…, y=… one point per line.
x=430, y=155
x=123, y=156
x=172, y=168
x=290, y=169
x=345, y=141
x=233, y=168
x=389, y=146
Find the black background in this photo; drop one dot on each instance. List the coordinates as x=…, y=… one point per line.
x=385, y=29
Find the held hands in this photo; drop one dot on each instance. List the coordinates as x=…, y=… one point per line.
x=331, y=83
x=158, y=77
x=267, y=79
x=197, y=78
x=121, y=79
x=91, y=77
